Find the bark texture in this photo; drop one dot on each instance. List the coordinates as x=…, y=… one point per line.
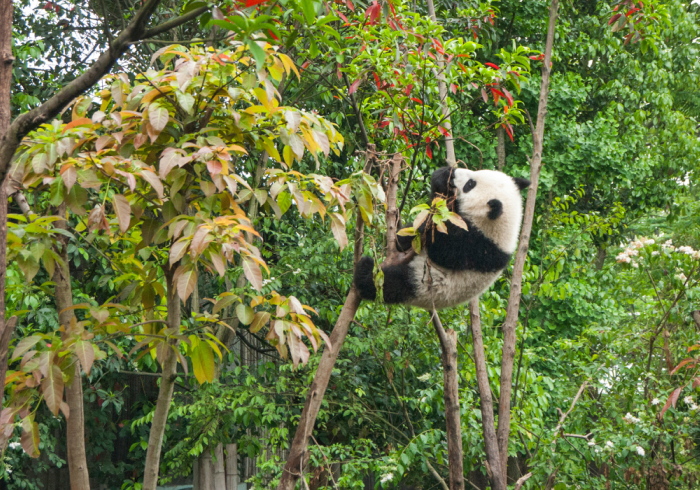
x=165, y=392
x=448, y=342
x=493, y=457
x=75, y=423
x=298, y=454
x=6, y=59
x=509, y=336
x=442, y=90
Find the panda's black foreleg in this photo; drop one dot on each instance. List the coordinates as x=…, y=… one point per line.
x=399, y=284
x=364, y=278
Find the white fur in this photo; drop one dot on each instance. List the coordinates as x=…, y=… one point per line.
x=490, y=184
x=441, y=288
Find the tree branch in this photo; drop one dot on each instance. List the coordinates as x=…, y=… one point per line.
x=135, y=31
x=509, y=335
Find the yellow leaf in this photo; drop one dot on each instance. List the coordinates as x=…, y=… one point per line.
x=289, y=64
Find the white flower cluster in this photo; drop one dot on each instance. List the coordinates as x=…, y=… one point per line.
x=631, y=252
x=424, y=377
x=387, y=477
x=15, y=445
x=296, y=272
x=655, y=401
x=268, y=281
x=609, y=444
x=630, y=419
x=640, y=451
x=690, y=402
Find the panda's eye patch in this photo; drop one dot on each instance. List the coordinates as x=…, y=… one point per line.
x=471, y=183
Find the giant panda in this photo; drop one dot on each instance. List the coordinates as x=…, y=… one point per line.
x=453, y=268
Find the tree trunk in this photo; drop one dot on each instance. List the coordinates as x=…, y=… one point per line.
x=497, y=475
x=298, y=455
x=6, y=59
x=219, y=468
x=448, y=342
x=500, y=147
x=509, y=336
x=165, y=393
x=231, y=466
x=442, y=90
x=75, y=423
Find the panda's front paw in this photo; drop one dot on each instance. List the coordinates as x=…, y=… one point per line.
x=364, y=278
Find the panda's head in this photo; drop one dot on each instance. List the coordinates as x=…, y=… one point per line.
x=487, y=199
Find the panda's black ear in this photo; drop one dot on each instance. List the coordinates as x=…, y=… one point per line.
x=440, y=181
x=521, y=183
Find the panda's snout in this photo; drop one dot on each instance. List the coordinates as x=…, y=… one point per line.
x=496, y=208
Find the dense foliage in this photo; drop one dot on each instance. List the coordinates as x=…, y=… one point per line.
x=226, y=168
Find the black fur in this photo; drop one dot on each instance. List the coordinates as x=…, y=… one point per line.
x=461, y=250
x=441, y=182
x=496, y=208
x=399, y=285
x=403, y=243
x=521, y=183
x=364, y=278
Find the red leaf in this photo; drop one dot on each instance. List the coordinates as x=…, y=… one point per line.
x=342, y=16
x=272, y=35
x=484, y=95
x=340, y=76
x=409, y=87
x=508, y=96
x=376, y=79
x=539, y=57
x=614, y=18
x=497, y=94
x=418, y=101
x=429, y=152
x=305, y=65
x=696, y=383
x=515, y=73
x=508, y=131
x=681, y=364
x=453, y=88
x=354, y=86
x=350, y=5
x=251, y=3
x=671, y=400
x=495, y=67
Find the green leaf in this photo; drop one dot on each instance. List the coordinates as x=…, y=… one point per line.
x=245, y=314
x=309, y=10
x=258, y=54
x=284, y=201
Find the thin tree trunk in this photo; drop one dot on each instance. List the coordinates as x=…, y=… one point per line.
x=500, y=147
x=165, y=393
x=509, y=335
x=231, y=466
x=219, y=468
x=75, y=423
x=442, y=90
x=298, y=455
x=6, y=59
x=498, y=478
x=448, y=342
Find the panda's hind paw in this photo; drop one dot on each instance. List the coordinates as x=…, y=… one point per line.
x=364, y=278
